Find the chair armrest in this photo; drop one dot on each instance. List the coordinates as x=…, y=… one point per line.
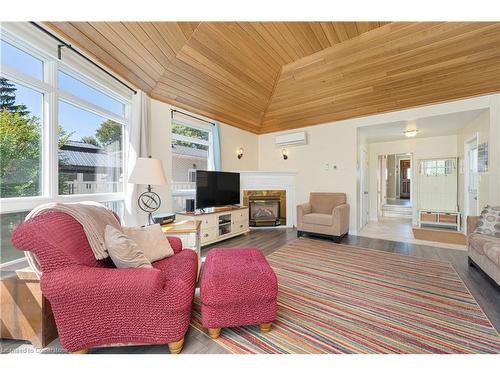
x=341, y=219
x=471, y=224
x=176, y=244
x=78, y=287
x=82, y=282
x=302, y=209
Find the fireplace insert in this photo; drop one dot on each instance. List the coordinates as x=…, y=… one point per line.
x=264, y=211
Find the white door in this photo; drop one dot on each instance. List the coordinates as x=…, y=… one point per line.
x=471, y=177
x=365, y=202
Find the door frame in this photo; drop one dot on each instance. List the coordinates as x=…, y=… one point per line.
x=469, y=144
x=381, y=183
x=364, y=179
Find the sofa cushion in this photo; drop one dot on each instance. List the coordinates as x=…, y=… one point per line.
x=478, y=242
x=489, y=221
x=123, y=251
x=318, y=219
x=492, y=251
x=324, y=203
x=151, y=240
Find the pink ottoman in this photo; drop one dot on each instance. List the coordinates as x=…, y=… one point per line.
x=238, y=288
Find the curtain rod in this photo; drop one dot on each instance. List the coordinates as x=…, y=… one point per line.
x=62, y=43
x=187, y=114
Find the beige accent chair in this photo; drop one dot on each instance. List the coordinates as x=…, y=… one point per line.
x=483, y=251
x=326, y=214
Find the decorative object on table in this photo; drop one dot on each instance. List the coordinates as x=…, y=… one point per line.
x=95, y=304
x=148, y=171
x=482, y=157
x=163, y=219
x=189, y=205
x=151, y=241
x=234, y=296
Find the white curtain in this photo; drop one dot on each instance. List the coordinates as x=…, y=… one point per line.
x=139, y=145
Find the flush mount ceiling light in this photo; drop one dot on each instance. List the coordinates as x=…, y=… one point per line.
x=410, y=133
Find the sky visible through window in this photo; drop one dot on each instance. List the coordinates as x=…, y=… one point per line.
x=74, y=120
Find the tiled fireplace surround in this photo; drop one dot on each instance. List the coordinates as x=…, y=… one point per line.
x=272, y=183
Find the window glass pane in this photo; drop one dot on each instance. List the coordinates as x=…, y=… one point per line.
x=90, y=94
x=190, y=149
x=20, y=60
x=20, y=140
x=90, y=155
x=8, y=223
x=117, y=207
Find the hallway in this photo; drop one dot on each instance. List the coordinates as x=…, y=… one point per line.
x=399, y=229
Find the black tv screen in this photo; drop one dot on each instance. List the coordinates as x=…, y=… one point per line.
x=215, y=189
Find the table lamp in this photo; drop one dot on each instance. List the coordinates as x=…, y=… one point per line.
x=148, y=171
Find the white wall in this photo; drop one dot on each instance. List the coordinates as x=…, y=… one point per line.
x=420, y=148
x=329, y=145
x=231, y=140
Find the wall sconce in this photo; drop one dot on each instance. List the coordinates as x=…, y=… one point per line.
x=284, y=152
x=240, y=153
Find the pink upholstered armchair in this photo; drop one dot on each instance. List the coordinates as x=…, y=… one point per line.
x=95, y=304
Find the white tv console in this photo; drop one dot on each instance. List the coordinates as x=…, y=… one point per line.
x=218, y=224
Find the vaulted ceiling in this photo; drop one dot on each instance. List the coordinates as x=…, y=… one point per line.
x=270, y=76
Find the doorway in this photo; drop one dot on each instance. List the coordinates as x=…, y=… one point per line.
x=394, y=186
x=404, y=178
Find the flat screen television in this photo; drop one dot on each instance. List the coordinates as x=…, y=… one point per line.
x=215, y=189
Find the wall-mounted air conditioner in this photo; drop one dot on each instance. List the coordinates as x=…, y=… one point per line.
x=298, y=138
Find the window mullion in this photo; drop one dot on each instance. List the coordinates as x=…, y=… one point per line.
x=51, y=144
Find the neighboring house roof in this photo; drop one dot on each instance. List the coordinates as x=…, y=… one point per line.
x=79, y=154
x=189, y=151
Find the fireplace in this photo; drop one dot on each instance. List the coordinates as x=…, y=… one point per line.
x=264, y=211
x=266, y=207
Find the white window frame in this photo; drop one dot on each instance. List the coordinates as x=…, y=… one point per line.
x=30, y=40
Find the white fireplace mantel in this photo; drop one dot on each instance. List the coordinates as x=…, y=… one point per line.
x=267, y=180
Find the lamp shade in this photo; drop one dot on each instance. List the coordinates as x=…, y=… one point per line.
x=148, y=171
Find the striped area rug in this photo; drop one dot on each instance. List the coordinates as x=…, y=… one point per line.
x=344, y=299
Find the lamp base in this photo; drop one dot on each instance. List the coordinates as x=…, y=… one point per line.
x=149, y=202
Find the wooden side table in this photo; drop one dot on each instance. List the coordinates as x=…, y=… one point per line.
x=26, y=313
x=185, y=229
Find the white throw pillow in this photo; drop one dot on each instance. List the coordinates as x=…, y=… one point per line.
x=123, y=251
x=151, y=240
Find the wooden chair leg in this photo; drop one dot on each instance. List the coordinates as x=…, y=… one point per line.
x=176, y=346
x=265, y=327
x=81, y=351
x=214, y=332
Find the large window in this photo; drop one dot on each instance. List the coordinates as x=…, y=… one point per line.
x=62, y=131
x=90, y=156
x=21, y=117
x=191, y=151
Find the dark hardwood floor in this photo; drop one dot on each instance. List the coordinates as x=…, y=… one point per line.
x=270, y=240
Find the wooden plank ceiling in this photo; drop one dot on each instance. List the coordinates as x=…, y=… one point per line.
x=270, y=76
